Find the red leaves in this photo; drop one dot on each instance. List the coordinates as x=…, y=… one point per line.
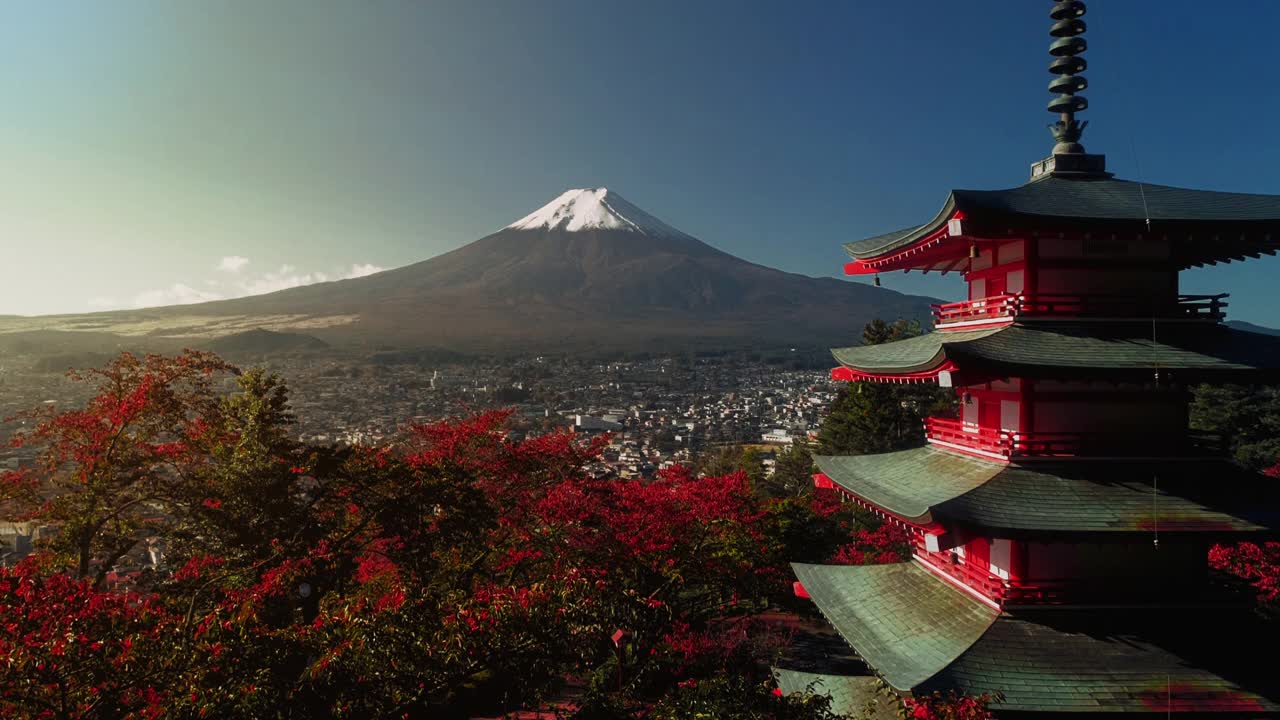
x=196, y=567
x=367, y=580
x=1258, y=564
x=951, y=706
x=886, y=544
x=70, y=642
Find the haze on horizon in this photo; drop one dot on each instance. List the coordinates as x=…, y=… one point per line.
x=158, y=153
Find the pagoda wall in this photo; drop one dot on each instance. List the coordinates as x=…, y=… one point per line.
x=1073, y=266
x=1027, y=406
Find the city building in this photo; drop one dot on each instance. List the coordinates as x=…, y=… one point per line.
x=1061, y=524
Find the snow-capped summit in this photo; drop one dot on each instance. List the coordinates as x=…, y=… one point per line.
x=594, y=209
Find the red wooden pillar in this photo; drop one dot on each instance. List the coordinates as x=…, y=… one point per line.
x=1026, y=405
x=1031, y=255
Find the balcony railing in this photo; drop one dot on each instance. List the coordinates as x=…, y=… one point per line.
x=974, y=311
x=1115, y=444
x=966, y=436
x=1001, y=307
x=990, y=442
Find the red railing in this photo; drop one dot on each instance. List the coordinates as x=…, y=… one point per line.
x=988, y=308
x=998, y=307
x=986, y=441
x=995, y=443
x=1115, y=444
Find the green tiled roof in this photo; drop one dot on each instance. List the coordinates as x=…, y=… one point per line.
x=918, y=353
x=1076, y=348
x=850, y=694
x=905, y=623
x=923, y=635
x=1089, y=496
x=907, y=483
x=1082, y=496
x=1091, y=661
x=1100, y=199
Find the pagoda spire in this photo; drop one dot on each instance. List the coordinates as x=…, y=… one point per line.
x=1068, y=158
x=1067, y=47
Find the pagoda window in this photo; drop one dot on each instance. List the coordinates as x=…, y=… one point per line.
x=1010, y=413
x=1014, y=282
x=1001, y=557
x=1012, y=252
x=969, y=411
x=978, y=289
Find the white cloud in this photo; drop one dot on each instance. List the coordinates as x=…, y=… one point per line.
x=233, y=263
x=283, y=279
x=362, y=269
x=175, y=294
x=288, y=276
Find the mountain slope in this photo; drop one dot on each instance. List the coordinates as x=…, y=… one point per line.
x=1251, y=327
x=588, y=270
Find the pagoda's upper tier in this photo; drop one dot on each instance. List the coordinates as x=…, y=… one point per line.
x=1117, y=351
x=1201, y=226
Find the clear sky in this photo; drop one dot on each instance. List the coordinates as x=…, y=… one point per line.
x=153, y=152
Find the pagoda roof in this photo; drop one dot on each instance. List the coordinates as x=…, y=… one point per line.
x=923, y=634
x=1093, y=660
x=902, y=620
x=1179, y=214
x=1032, y=348
x=908, y=483
x=926, y=485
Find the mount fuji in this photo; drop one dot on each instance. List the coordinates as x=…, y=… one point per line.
x=587, y=270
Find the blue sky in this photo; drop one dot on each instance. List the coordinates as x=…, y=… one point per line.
x=144, y=142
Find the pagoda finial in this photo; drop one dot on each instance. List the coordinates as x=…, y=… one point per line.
x=1068, y=30
x=1069, y=158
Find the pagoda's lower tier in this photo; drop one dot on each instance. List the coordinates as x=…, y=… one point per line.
x=1063, y=532
x=924, y=634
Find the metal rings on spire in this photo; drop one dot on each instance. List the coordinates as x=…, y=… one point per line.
x=1066, y=48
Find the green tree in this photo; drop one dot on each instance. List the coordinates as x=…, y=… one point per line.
x=1248, y=419
x=870, y=417
x=730, y=459
x=792, y=473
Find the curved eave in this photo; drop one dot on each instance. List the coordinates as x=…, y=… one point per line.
x=1096, y=498
x=1065, y=350
x=924, y=635
x=1100, y=498
x=1149, y=660
x=924, y=246
x=906, y=623
x=1202, y=226
x=1121, y=350
x=930, y=375
x=907, y=483
x=920, y=358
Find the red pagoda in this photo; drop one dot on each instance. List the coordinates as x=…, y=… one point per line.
x=1061, y=522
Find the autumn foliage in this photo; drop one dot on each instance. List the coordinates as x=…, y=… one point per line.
x=1257, y=563
x=206, y=564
